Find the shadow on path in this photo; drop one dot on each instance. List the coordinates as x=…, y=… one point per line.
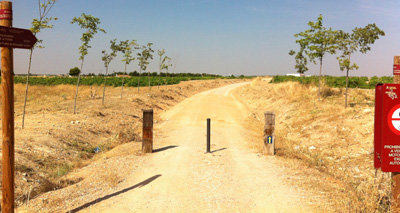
x=218, y=150
x=164, y=148
x=143, y=183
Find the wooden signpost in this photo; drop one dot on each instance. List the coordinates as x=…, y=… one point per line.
x=396, y=175
x=387, y=131
x=396, y=70
x=9, y=38
x=16, y=38
x=269, y=128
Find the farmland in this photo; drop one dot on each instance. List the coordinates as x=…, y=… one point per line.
x=336, y=82
x=132, y=81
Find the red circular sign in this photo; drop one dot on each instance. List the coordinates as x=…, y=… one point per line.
x=393, y=118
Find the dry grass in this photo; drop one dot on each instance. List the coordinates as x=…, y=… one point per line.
x=335, y=141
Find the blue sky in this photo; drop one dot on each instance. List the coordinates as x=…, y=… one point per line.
x=250, y=37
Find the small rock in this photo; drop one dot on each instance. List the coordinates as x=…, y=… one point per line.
x=72, y=122
x=297, y=147
x=311, y=148
x=367, y=110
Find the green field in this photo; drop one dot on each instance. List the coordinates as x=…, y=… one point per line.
x=111, y=81
x=338, y=82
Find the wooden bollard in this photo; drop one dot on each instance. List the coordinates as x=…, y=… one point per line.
x=147, y=139
x=269, y=128
x=208, y=135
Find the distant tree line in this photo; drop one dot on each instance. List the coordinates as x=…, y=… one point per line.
x=75, y=72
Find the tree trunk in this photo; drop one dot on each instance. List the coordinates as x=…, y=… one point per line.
x=122, y=86
x=319, y=79
x=148, y=78
x=159, y=77
x=123, y=78
x=104, y=87
x=77, y=85
x=173, y=72
x=347, y=87
x=166, y=78
x=91, y=92
x=27, y=87
x=138, y=83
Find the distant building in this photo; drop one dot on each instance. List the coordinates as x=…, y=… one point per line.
x=123, y=76
x=295, y=74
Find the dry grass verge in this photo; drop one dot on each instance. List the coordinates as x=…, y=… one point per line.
x=336, y=142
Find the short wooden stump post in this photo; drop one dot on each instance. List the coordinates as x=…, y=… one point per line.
x=269, y=137
x=147, y=139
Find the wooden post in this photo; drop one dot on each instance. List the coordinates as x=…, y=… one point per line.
x=396, y=175
x=208, y=135
x=269, y=128
x=396, y=78
x=147, y=140
x=122, y=86
x=7, y=84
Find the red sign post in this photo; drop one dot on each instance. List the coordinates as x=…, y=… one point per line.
x=387, y=131
x=378, y=126
x=387, y=127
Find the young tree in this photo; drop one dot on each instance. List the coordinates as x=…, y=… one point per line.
x=90, y=24
x=360, y=40
x=301, y=61
x=107, y=58
x=161, y=54
x=127, y=47
x=165, y=63
x=144, y=56
x=38, y=24
x=317, y=41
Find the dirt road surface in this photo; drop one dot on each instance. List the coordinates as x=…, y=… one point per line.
x=181, y=177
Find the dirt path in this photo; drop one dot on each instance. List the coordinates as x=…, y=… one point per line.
x=180, y=177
